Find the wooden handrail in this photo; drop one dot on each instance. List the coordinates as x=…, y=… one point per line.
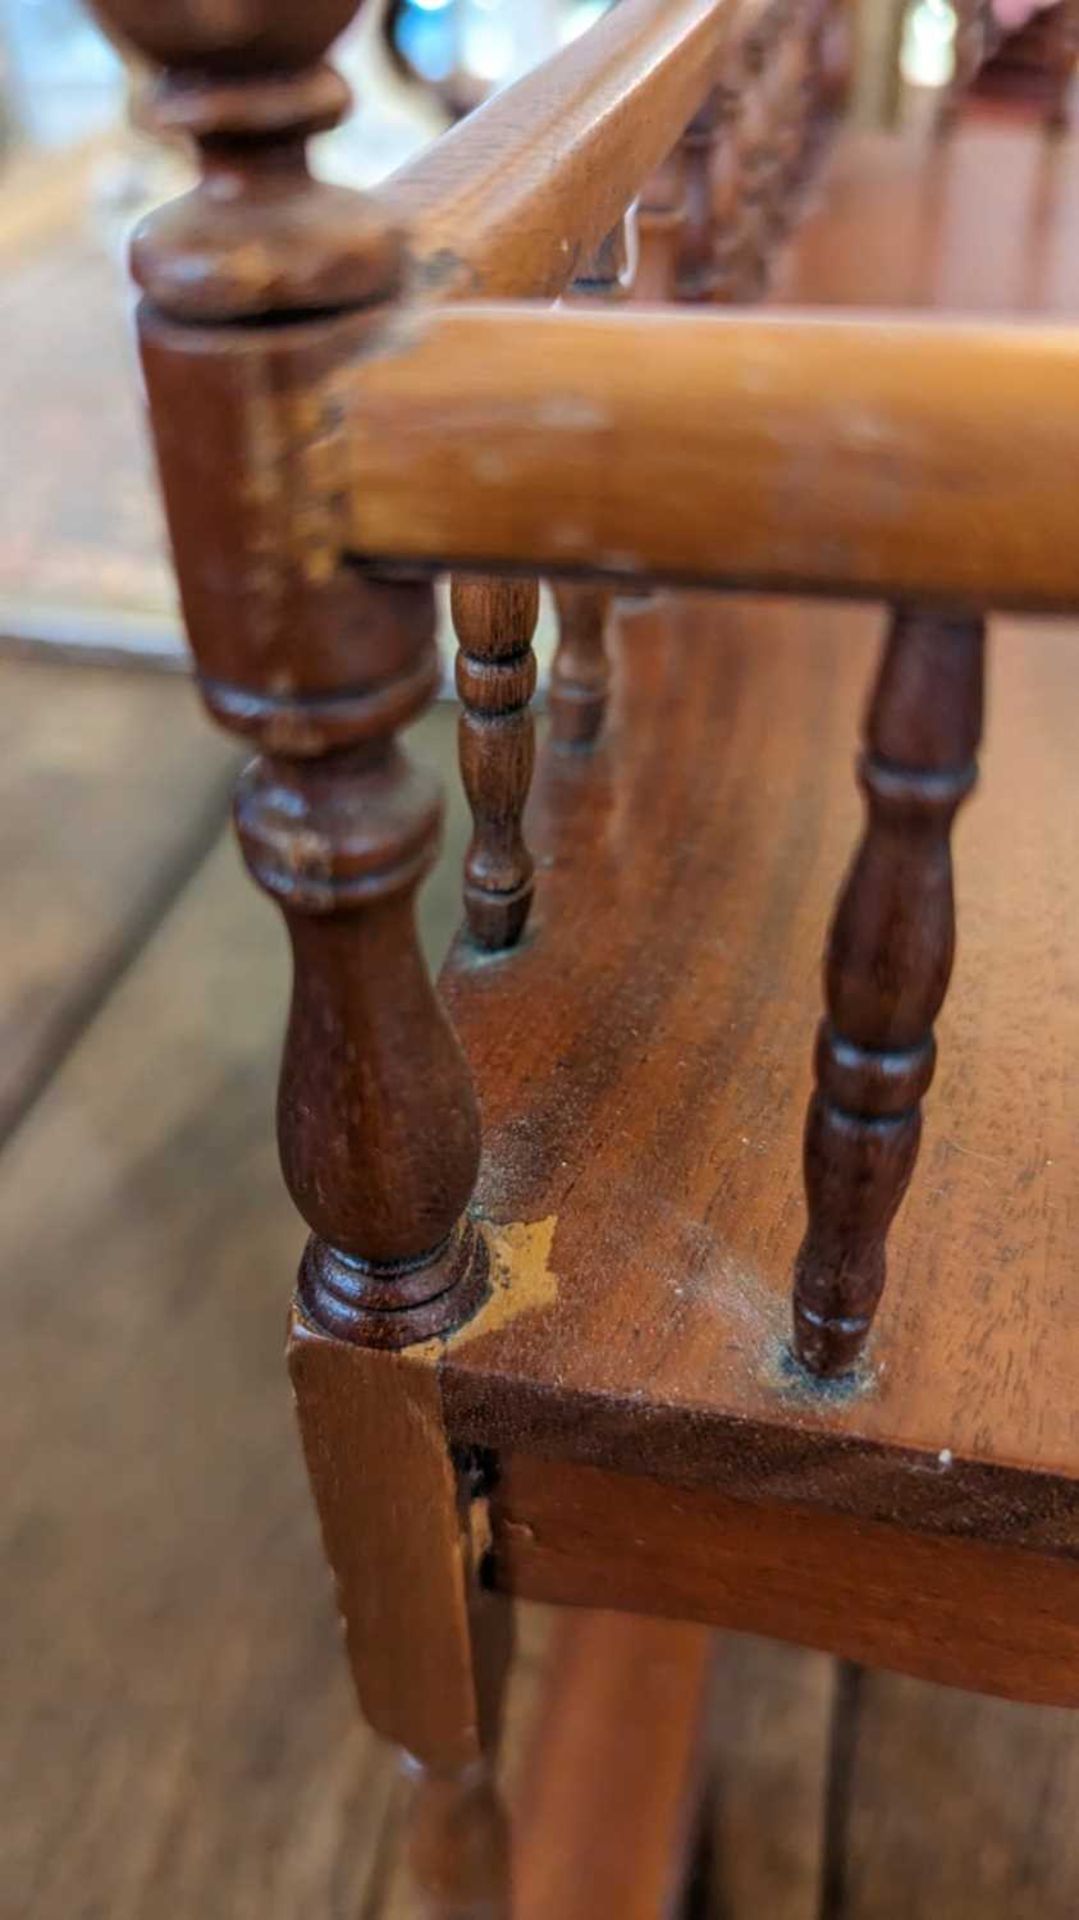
x=862, y=455
x=513, y=201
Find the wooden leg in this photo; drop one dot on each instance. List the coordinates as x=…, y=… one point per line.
x=580, y=675
x=889, y=961
x=429, y=1650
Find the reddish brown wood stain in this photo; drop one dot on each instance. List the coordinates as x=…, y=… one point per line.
x=641, y=1063
x=664, y=1015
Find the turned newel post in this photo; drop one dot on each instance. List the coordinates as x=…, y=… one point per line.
x=496, y=677
x=886, y=973
x=259, y=286
x=262, y=288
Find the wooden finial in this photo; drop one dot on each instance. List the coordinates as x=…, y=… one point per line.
x=887, y=970
x=247, y=80
x=496, y=678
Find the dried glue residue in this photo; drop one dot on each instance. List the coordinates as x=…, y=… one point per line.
x=522, y=1278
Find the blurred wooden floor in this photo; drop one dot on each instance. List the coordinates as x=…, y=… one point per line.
x=177, y=1737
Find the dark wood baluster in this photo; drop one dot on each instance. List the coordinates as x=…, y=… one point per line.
x=496, y=678
x=888, y=964
x=729, y=271
x=792, y=98
x=696, y=272
x=321, y=665
x=581, y=670
x=812, y=114
x=741, y=251
x=775, y=158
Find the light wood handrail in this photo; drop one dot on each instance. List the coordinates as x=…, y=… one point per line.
x=513, y=201
x=864, y=455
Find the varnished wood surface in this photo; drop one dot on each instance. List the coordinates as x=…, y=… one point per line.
x=153, y=1688
x=611, y=1792
x=643, y=1062
x=514, y=201
x=897, y=221
x=961, y=1612
x=808, y=453
x=985, y=222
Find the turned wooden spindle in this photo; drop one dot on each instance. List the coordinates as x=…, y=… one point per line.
x=792, y=94
x=659, y=225
x=259, y=286
x=888, y=964
x=696, y=271
x=741, y=236
x=496, y=678
x=581, y=669
x=810, y=104
x=773, y=139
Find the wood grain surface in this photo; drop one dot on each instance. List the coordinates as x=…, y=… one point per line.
x=513, y=202
x=1004, y=1847
x=111, y=790
x=801, y=453
x=178, y=1735
x=988, y=1618
x=986, y=222
x=82, y=546
x=610, y=1793
x=643, y=1062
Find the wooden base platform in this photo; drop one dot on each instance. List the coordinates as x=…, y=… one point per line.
x=643, y=1065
